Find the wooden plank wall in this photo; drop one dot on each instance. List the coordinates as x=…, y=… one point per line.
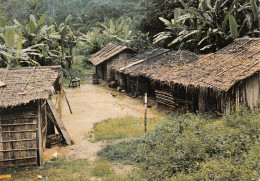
x=18, y=136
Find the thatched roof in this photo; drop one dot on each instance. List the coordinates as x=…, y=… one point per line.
x=117, y=65
x=161, y=66
x=109, y=51
x=223, y=69
x=26, y=84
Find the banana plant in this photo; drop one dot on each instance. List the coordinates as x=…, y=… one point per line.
x=11, y=49
x=208, y=27
x=65, y=37
x=118, y=30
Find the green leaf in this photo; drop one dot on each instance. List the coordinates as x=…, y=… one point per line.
x=32, y=18
x=233, y=27
x=206, y=47
x=184, y=5
x=19, y=43
x=32, y=27
x=67, y=20
x=2, y=22
x=112, y=26
x=225, y=21
x=203, y=39
x=180, y=38
x=177, y=14
x=10, y=38
x=165, y=21
x=255, y=11
x=42, y=19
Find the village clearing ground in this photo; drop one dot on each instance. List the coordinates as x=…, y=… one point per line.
x=91, y=104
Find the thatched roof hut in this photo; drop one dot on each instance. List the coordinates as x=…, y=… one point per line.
x=27, y=84
x=222, y=80
x=28, y=114
x=154, y=66
x=161, y=65
x=109, y=51
x=223, y=69
x=106, y=56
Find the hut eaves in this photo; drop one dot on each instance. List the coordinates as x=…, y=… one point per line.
x=23, y=85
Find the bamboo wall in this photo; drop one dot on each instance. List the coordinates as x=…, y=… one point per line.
x=20, y=141
x=244, y=93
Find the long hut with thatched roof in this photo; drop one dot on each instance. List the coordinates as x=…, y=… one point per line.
x=27, y=113
x=223, y=80
x=123, y=80
x=151, y=73
x=104, y=59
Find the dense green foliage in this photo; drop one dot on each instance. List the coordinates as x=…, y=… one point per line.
x=211, y=25
x=193, y=147
x=35, y=42
x=65, y=26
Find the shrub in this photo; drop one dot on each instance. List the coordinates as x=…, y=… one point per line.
x=195, y=147
x=124, y=152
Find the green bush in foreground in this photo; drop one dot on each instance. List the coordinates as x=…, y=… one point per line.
x=193, y=147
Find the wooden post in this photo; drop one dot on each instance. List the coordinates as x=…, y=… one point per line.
x=39, y=137
x=145, y=121
x=58, y=123
x=67, y=101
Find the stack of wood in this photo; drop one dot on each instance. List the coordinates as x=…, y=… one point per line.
x=53, y=140
x=165, y=98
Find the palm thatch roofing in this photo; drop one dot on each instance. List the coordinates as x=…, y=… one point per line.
x=109, y=51
x=161, y=66
x=117, y=65
x=223, y=69
x=23, y=85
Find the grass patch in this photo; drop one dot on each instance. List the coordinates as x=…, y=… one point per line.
x=123, y=127
x=53, y=170
x=101, y=169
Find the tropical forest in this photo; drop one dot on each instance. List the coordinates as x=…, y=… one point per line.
x=119, y=136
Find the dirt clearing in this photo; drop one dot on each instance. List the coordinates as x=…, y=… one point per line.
x=91, y=104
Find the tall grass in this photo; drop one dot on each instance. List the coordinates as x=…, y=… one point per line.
x=123, y=128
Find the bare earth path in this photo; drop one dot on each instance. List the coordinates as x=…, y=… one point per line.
x=91, y=104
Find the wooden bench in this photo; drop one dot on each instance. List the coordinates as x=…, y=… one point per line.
x=74, y=82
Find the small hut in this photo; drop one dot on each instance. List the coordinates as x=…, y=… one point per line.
x=27, y=113
x=151, y=74
x=104, y=59
x=222, y=80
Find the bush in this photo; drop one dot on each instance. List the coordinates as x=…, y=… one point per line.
x=195, y=147
x=124, y=152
